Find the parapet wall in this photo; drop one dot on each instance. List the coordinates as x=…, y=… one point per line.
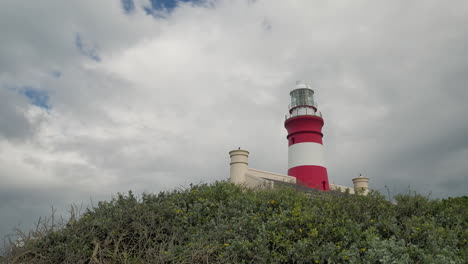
x=253, y=178
x=270, y=175
x=340, y=188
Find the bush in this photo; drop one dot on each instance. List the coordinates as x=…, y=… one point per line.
x=225, y=223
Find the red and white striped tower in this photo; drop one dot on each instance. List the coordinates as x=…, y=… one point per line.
x=305, y=152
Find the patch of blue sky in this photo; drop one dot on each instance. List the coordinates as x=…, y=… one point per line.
x=128, y=6
x=87, y=50
x=156, y=5
x=56, y=74
x=170, y=4
x=37, y=97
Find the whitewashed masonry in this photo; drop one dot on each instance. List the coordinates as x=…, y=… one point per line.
x=240, y=173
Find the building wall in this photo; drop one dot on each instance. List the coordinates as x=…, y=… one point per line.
x=253, y=178
x=257, y=179
x=340, y=188
x=270, y=175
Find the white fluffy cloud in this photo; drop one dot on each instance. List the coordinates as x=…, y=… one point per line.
x=172, y=94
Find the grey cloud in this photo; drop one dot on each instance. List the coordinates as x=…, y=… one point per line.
x=40, y=36
x=85, y=49
x=14, y=124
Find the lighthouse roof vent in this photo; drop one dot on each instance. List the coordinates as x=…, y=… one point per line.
x=302, y=85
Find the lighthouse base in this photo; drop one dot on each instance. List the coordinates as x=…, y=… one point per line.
x=315, y=177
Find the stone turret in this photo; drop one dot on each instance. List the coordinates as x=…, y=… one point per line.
x=361, y=185
x=239, y=165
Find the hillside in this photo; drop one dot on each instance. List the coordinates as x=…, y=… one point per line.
x=224, y=223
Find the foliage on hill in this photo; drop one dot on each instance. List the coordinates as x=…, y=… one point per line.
x=224, y=223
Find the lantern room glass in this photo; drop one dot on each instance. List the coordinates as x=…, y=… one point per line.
x=301, y=97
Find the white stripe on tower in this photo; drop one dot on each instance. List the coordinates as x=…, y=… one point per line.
x=305, y=153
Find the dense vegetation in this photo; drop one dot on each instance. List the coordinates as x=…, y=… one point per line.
x=224, y=223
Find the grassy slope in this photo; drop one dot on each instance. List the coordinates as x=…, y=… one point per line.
x=225, y=223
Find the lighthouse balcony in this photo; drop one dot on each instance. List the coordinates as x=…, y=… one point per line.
x=303, y=111
x=303, y=103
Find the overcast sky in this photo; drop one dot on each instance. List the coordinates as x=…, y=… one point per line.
x=100, y=97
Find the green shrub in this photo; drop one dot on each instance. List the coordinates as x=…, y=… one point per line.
x=224, y=223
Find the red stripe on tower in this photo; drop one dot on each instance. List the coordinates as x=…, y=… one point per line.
x=305, y=152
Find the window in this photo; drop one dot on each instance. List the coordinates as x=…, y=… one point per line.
x=302, y=97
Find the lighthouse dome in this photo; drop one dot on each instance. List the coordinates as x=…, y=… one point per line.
x=302, y=84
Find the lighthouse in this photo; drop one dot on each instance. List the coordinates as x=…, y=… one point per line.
x=305, y=146
x=306, y=165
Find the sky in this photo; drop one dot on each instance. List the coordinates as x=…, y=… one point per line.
x=102, y=97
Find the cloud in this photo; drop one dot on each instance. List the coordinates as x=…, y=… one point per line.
x=56, y=74
x=15, y=120
x=152, y=102
x=86, y=49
